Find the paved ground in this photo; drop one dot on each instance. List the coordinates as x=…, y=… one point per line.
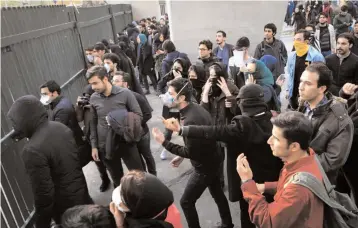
x=175, y=178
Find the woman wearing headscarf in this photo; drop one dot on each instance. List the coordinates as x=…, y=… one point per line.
x=128, y=47
x=158, y=51
x=258, y=73
x=197, y=76
x=143, y=201
x=145, y=62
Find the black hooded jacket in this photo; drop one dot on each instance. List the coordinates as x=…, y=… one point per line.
x=51, y=161
x=199, y=82
x=246, y=134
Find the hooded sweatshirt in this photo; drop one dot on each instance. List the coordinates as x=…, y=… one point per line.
x=51, y=160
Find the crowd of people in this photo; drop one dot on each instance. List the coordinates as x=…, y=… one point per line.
x=226, y=103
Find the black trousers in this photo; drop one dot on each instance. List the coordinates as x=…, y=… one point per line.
x=144, y=149
x=153, y=79
x=130, y=156
x=195, y=187
x=102, y=170
x=222, y=167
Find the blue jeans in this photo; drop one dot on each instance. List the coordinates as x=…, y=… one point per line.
x=325, y=53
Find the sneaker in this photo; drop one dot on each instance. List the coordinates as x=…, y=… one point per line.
x=163, y=155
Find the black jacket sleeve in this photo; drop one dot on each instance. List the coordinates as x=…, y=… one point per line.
x=191, y=145
x=38, y=169
x=93, y=128
x=225, y=133
x=145, y=107
x=63, y=116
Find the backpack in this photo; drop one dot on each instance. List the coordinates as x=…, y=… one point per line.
x=340, y=210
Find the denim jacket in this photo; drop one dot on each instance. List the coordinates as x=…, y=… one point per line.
x=312, y=56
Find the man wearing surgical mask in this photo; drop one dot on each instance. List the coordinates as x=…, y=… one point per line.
x=297, y=62
x=111, y=63
x=202, y=153
x=89, y=56
x=61, y=109
x=238, y=62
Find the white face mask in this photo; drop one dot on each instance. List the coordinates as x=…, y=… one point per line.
x=117, y=200
x=90, y=58
x=239, y=58
x=45, y=99
x=107, y=67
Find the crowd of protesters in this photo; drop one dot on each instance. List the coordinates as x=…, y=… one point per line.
x=224, y=104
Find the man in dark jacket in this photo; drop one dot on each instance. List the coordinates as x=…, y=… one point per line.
x=355, y=37
x=84, y=112
x=202, y=153
x=350, y=92
x=223, y=51
x=206, y=57
x=333, y=129
x=343, y=64
x=61, y=109
x=272, y=46
x=249, y=132
x=123, y=80
x=108, y=98
x=51, y=160
x=172, y=54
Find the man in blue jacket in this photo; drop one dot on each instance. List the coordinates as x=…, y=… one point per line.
x=297, y=62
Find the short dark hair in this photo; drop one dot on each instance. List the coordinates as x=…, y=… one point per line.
x=271, y=26
x=295, y=128
x=348, y=36
x=143, y=19
x=222, y=32
x=125, y=76
x=99, y=47
x=306, y=34
x=113, y=57
x=98, y=71
x=323, y=14
x=207, y=43
x=87, y=216
x=168, y=46
x=312, y=26
x=325, y=77
x=105, y=42
x=344, y=8
x=183, y=86
x=52, y=86
x=153, y=27
x=89, y=48
x=356, y=22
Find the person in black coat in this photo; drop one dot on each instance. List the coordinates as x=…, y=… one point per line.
x=203, y=155
x=51, y=161
x=197, y=76
x=127, y=66
x=248, y=133
x=171, y=55
x=145, y=62
x=61, y=109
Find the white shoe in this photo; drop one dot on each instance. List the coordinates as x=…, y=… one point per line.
x=163, y=155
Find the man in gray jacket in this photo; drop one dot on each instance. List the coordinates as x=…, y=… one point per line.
x=272, y=46
x=332, y=127
x=342, y=21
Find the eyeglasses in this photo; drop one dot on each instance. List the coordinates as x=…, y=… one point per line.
x=202, y=49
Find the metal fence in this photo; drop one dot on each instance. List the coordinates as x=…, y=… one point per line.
x=38, y=44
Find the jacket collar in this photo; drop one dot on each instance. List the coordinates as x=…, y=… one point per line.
x=312, y=52
x=184, y=111
x=115, y=90
x=296, y=165
x=55, y=102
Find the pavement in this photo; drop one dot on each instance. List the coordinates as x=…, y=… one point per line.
x=174, y=178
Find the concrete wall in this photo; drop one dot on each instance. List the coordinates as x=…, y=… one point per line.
x=144, y=9
x=193, y=21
